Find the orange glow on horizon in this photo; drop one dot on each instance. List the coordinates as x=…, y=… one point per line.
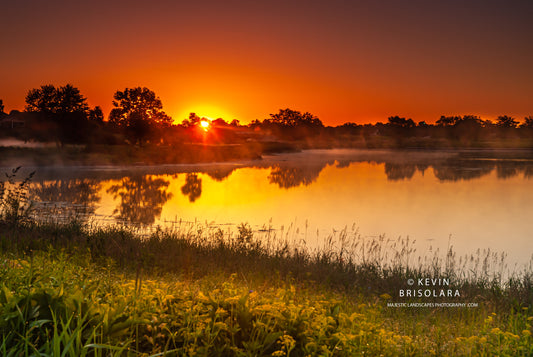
x=204, y=111
x=332, y=59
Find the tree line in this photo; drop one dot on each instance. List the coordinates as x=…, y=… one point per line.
x=62, y=114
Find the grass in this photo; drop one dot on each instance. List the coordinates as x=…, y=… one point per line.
x=85, y=290
x=56, y=302
x=79, y=290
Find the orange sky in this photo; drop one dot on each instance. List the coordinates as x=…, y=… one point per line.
x=358, y=61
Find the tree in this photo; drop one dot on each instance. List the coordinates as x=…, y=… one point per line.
x=96, y=115
x=62, y=110
x=51, y=100
x=139, y=111
x=292, y=118
x=1, y=106
x=528, y=122
x=401, y=122
x=505, y=121
x=448, y=121
x=192, y=121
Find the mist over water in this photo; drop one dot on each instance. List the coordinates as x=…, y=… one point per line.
x=469, y=200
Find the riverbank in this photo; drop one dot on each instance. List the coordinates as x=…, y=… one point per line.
x=84, y=289
x=120, y=155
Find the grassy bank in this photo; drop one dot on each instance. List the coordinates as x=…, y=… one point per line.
x=105, y=291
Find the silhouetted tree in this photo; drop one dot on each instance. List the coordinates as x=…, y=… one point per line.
x=447, y=121
x=96, y=115
x=505, y=121
x=193, y=120
x=219, y=122
x=289, y=117
x=49, y=99
x=2, y=107
x=65, y=108
x=399, y=128
x=402, y=122
x=468, y=129
x=292, y=124
x=528, y=122
x=139, y=111
x=193, y=187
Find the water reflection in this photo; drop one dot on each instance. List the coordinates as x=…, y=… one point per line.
x=396, y=172
x=141, y=198
x=458, y=171
x=77, y=196
x=287, y=177
x=193, y=187
x=528, y=172
x=390, y=193
x=220, y=174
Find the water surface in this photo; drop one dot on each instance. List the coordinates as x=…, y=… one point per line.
x=469, y=200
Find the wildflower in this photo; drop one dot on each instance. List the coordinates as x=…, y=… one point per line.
x=526, y=333
x=202, y=297
x=511, y=335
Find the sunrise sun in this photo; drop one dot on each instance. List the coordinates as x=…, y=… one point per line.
x=205, y=124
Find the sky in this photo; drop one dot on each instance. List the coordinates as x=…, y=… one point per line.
x=343, y=61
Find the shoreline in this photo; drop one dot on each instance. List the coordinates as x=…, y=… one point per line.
x=189, y=155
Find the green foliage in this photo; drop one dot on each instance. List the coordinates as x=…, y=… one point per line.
x=58, y=304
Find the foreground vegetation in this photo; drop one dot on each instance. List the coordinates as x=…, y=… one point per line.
x=80, y=290
x=75, y=290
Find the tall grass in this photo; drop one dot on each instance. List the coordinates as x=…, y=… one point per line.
x=371, y=268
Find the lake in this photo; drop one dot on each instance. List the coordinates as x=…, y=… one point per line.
x=468, y=200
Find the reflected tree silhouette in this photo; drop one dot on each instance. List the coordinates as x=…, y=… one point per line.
x=287, y=177
x=397, y=172
x=192, y=187
x=80, y=196
x=462, y=170
x=422, y=167
x=505, y=170
x=141, y=198
x=528, y=172
x=220, y=175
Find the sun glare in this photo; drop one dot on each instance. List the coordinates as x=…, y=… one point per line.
x=205, y=124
